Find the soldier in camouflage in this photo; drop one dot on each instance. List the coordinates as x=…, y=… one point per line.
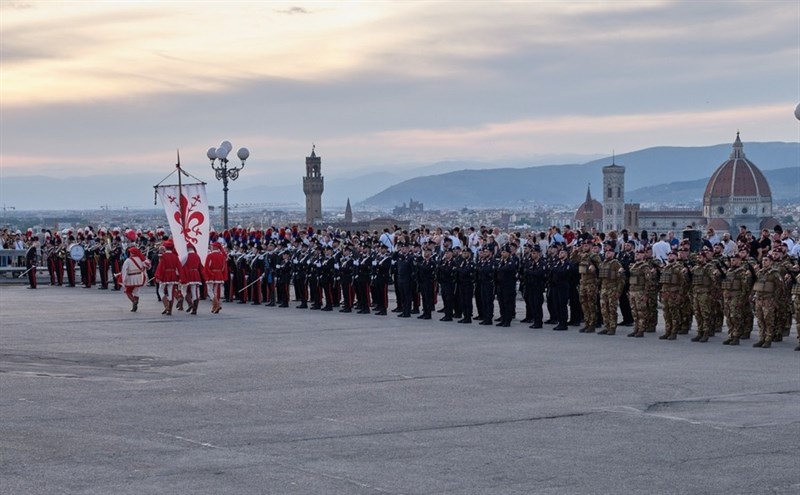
x=642, y=279
x=704, y=278
x=735, y=287
x=588, y=267
x=767, y=290
x=674, y=284
x=612, y=281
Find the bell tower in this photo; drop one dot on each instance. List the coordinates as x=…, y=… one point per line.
x=313, y=185
x=613, y=196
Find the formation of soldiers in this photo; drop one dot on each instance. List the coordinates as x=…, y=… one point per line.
x=582, y=279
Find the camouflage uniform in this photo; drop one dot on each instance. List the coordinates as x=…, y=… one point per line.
x=642, y=279
x=704, y=277
x=588, y=266
x=674, y=285
x=611, y=285
x=735, y=288
x=717, y=310
x=748, y=316
x=687, y=307
x=784, y=305
x=652, y=296
x=768, y=290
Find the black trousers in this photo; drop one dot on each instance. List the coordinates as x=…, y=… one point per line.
x=506, y=296
x=404, y=296
x=560, y=303
x=448, y=291
x=486, y=302
x=534, y=299
x=465, y=292
x=426, y=291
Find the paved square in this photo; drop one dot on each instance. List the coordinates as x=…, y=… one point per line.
x=97, y=400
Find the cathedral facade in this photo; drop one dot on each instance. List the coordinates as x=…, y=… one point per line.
x=737, y=194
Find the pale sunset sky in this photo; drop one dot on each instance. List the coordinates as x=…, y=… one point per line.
x=97, y=87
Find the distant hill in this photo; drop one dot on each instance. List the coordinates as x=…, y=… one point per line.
x=447, y=184
x=784, y=183
x=567, y=183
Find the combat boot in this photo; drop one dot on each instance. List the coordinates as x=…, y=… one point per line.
x=797, y=348
x=663, y=337
x=672, y=336
x=697, y=337
x=766, y=345
x=727, y=341
x=603, y=332
x=734, y=341
x=589, y=329
x=704, y=338
x=638, y=334
x=611, y=332
x=760, y=343
x=632, y=334
x=778, y=337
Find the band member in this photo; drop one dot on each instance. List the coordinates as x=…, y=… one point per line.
x=59, y=255
x=30, y=262
x=103, y=253
x=345, y=275
x=283, y=276
x=191, y=278
x=216, y=274
x=70, y=263
x=134, y=275
x=115, y=261
x=168, y=275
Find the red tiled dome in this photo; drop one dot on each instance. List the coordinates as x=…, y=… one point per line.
x=719, y=224
x=737, y=177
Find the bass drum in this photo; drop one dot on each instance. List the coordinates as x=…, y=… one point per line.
x=77, y=252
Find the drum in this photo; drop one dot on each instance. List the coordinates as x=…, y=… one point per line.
x=76, y=252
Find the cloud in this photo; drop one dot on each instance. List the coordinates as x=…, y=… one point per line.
x=95, y=86
x=293, y=11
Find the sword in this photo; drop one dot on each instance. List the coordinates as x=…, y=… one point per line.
x=25, y=272
x=251, y=283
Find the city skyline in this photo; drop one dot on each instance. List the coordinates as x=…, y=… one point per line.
x=105, y=88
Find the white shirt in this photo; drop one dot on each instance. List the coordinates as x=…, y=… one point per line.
x=729, y=248
x=386, y=240
x=661, y=249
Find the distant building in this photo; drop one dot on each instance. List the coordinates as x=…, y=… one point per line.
x=613, y=196
x=590, y=213
x=413, y=207
x=348, y=213
x=737, y=194
x=313, y=185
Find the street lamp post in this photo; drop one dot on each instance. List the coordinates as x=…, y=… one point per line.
x=219, y=162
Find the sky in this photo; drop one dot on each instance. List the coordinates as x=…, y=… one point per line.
x=116, y=87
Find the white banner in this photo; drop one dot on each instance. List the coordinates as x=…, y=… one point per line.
x=187, y=214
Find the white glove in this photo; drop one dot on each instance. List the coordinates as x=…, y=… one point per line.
x=318, y=264
x=374, y=263
x=336, y=265
x=355, y=263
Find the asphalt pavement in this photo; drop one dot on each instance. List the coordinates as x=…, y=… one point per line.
x=95, y=399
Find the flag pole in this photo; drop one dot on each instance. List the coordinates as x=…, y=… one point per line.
x=180, y=190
